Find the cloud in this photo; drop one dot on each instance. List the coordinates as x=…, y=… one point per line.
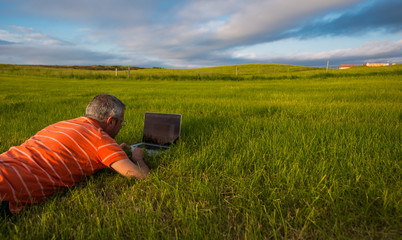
x=2, y=42
x=28, y=36
x=372, y=16
x=224, y=23
x=382, y=51
x=203, y=28
x=25, y=45
x=182, y=33
x=259, y=19
x=8, y=37
x=60, y=55
x=102, y=13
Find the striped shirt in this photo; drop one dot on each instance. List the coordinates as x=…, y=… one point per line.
x=61, y=155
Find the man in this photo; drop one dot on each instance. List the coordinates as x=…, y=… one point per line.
x=63, y=154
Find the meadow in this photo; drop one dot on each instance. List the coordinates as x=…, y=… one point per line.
x=266, y=152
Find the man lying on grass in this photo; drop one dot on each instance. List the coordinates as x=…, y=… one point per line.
x=63, y=154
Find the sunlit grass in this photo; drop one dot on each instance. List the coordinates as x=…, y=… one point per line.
x=274, y=152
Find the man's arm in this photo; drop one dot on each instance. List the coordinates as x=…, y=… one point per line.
x=136, y=168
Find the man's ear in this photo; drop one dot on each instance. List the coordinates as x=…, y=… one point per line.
x=110, y=121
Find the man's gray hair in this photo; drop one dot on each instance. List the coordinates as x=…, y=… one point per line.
x=103, y=106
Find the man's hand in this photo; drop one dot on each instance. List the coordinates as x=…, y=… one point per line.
x=137, y=155
x=135, y=168
x=123, y=146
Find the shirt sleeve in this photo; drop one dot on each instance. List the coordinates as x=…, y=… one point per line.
x=109, y=152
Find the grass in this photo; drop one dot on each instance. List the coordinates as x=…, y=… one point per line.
x=275, y=152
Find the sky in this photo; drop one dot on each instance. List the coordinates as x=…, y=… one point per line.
x=200, y=33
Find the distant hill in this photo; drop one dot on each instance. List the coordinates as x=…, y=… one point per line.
x=89, y=67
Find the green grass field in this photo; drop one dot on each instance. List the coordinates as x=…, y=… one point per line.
x=266, y=152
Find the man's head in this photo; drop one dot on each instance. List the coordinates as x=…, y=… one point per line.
x=108, y=110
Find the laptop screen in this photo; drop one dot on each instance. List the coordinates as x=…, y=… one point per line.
x=161, y=128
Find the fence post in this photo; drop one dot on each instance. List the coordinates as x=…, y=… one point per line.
x=128, y=71
x=115, y=72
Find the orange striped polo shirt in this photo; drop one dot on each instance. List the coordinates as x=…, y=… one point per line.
x=60, y=155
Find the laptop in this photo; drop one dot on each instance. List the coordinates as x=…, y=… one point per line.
x=161, y=130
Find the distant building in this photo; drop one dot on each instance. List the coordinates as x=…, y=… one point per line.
x=377, y=64
x=346, y=66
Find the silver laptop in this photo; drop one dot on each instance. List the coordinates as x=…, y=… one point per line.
x=161, y=130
